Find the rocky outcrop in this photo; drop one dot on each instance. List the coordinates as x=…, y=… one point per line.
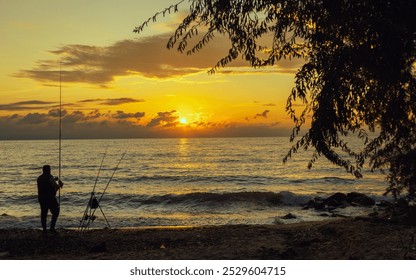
x=340, y=200
x=336, y=200
x=289, y=216
x=359, y=199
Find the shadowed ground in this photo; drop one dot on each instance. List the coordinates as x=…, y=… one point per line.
x=335, y=239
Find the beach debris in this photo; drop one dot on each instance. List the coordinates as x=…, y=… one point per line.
x=162, y=246
x=289, y=216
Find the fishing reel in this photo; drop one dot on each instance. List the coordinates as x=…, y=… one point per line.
x=93, y=203
x=60, y=183
x=87, y=217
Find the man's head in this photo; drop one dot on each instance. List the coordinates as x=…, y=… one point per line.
x=46, y=169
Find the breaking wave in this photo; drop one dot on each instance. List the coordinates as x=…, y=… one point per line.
x=212, y=200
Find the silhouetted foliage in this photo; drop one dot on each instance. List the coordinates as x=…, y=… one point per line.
x=358, y=75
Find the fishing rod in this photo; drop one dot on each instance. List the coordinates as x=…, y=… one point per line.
x=102, y=194
x=112, y=175
x=60, y=132
x=99, y=170
x=88, y=208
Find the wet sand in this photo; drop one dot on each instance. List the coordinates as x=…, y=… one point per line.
x=341, y=238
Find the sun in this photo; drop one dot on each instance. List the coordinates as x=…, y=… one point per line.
x=183, y=121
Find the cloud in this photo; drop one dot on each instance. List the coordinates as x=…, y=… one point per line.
x=26, y=105
x=235, y=129
x=45, y=105
x=119, y=124
x=146, y=57
x=55, y=113
x=123, y=115
x=113, y=101
x=34, y=118
x=164, y=119
x=76, y=124
x=270, y=105
x=262, y=115
x=74, y=117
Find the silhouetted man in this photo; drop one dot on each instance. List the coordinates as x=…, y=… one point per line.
x=47, y=188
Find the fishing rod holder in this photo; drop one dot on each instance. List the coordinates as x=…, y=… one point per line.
x=94, y=203
x=89, y=217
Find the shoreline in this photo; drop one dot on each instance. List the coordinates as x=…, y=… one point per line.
x=340, y=238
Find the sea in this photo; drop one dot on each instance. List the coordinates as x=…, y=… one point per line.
x=174, y=182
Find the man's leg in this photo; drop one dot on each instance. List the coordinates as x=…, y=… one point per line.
x=43, y=214
x=54, y=207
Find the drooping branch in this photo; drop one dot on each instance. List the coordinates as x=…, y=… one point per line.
x=171, y=9
x=358, y=76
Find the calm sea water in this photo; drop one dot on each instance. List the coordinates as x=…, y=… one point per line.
x=173, y=182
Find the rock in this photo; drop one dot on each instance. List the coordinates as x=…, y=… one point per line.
x=385, y=203
x=317, y=203
x=359, y=199
x=319, y=206
x=336, y=200
x=289, y=216
x=339, y=200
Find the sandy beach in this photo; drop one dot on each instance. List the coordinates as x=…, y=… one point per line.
x=341, y=238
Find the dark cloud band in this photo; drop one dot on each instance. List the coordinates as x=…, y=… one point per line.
x=147, y=57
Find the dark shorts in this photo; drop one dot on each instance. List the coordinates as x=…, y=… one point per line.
x=49, y=204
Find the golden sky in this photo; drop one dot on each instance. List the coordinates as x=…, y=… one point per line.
x=117, y=84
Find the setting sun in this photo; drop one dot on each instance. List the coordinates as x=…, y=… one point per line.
x=183, y=121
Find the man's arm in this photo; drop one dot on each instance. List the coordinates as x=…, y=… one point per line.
x=55, y=185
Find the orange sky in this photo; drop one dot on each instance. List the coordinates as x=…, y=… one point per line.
x=117, y=84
